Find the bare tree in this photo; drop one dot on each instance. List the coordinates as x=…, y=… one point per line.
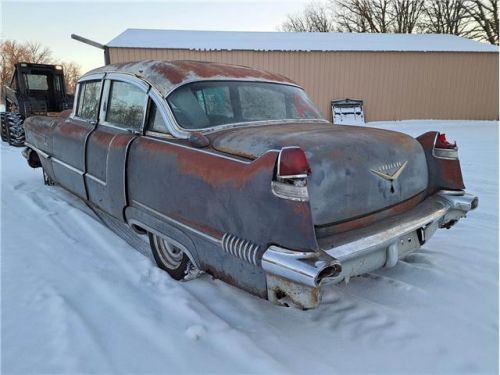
x=316, y=17
x=364, y=15
x=13, y=52
x=406, y=15
x=447, y=17
x=475, y=19
x=485, y=15
x=72, y=72
x=36, y=53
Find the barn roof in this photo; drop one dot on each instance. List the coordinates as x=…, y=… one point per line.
x=167, y=75
x=284, y=41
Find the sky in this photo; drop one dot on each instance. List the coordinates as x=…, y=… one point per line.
x=52, y=23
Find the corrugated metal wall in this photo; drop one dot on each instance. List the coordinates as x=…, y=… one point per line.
x=393, y=85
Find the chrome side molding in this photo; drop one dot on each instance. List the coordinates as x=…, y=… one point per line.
x=240, y=248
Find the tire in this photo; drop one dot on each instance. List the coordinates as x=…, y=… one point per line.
x=15, y=129
x=169, y=257
x=3, y=124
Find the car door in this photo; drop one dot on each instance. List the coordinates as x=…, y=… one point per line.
x=70, y=137
x=121, y=120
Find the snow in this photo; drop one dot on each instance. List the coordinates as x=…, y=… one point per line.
x=297, y=41
x=76, y=298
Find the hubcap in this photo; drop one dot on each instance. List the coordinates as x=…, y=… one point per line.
x=170, y=254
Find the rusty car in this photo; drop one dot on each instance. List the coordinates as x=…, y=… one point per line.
x=233, y=171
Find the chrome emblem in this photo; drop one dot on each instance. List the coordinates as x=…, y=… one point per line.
x=390, y=172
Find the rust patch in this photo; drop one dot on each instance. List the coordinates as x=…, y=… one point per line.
x=166, y=74
x=220, y=275
x=364, y=221
x=70, y=130
x=218, y=171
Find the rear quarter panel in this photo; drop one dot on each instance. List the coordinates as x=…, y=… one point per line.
x=216, y=195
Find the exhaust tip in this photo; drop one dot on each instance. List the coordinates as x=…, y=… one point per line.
x=474, y=203
x=329, y=271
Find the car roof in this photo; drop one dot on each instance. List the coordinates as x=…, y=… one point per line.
x=167, y=75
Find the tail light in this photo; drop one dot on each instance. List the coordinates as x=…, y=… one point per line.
x=292, y=163
x=292, y=170
x=444, y=149
x=442, y=142
x=442, y=162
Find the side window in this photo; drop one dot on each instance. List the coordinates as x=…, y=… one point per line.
x=88, y=100
x=155, y=120
x=126, y=105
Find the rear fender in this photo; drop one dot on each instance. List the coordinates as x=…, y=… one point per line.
x=444, y=173
x=217, y=194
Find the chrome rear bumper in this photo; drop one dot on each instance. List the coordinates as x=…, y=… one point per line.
x=295, y=277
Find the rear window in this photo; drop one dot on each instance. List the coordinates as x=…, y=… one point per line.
x=209, y=104
x=36, y=82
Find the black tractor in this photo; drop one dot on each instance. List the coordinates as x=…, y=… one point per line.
x=35, y=89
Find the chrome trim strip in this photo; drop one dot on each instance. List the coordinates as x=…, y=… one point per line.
x=290, y=192
x=152, y=133
x=92, y=77
x=219, y=79
x=185, y=226
x=38, y=151
x=205, y=151
x=129, y=78
x=70, y=167
x=445, y=153
x=249, y=124
x=94, y=178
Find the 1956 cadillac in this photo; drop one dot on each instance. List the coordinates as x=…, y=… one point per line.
x=233, y=171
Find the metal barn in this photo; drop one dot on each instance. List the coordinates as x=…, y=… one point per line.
x=398, y=76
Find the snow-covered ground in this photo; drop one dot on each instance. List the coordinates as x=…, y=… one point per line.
x=76, y=298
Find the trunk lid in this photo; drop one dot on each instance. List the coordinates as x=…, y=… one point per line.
x=355, y=170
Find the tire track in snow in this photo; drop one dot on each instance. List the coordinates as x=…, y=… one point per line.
x=71, y=217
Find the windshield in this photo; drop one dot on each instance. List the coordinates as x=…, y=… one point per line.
x=202, y=105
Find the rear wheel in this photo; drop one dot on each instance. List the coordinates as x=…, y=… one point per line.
x=15, y=129
x=169, y=257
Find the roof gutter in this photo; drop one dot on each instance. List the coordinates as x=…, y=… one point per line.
x=93, y=44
